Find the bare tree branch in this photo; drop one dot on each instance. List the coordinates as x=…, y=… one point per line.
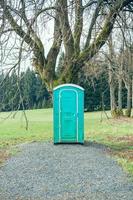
x=93, y=21
x=90, y=51
x=90, y=3
x=65, y=28
x=78, y=25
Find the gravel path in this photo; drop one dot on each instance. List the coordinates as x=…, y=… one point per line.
x=44, y=171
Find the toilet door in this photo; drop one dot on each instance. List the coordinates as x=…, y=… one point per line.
x=68, y=115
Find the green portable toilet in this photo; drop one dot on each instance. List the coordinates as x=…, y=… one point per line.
x=68, y=115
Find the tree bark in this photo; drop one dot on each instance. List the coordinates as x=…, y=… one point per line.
x=129, y=97
x=120, y=71
x=78, y=25
x=113, y=105
x=112, y=91
x=120, y=79
x=132, y=92
x=120, y=94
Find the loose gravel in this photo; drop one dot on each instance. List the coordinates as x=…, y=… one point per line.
x=44, y=171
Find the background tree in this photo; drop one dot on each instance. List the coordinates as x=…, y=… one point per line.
x=33, y=93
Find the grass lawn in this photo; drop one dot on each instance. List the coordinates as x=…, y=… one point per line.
x=115, y=133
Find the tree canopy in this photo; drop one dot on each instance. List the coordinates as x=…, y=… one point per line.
x=25, y=18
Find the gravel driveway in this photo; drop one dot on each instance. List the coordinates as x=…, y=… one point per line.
x=44, y=171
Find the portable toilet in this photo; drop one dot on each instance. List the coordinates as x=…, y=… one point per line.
x=68, y=115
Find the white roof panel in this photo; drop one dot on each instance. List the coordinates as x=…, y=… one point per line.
x=68, y=84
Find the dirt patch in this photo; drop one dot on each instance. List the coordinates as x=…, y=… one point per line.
x=127, y=138
x=125, y=151
x=4, y=155
x=121, y=120
x=126, y=154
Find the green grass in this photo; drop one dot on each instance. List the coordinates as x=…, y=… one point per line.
x=106, y=130
x=126, y=164
x=12, y=131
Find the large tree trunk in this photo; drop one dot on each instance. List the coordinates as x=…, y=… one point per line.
x=129, y=97
x=71, y=74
